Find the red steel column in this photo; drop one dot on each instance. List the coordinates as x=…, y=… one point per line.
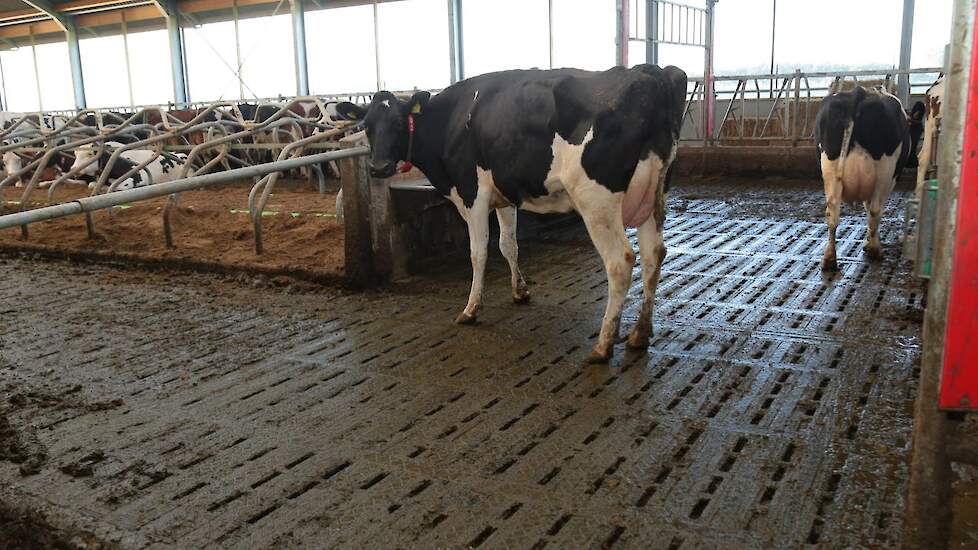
x=959, y=379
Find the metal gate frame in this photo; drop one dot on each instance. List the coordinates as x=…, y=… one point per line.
x=959, y=378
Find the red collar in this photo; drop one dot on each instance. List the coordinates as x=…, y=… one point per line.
x=407, y=165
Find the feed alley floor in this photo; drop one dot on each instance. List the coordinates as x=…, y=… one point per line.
x=192, y=410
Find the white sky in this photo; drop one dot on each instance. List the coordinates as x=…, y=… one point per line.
x=498, y=34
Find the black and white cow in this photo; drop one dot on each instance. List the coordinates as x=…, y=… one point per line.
x=164, y=168
x=863, y=140
x=14, y=162
x=599, y=143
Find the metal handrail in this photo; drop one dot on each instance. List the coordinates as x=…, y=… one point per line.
x=100, y=202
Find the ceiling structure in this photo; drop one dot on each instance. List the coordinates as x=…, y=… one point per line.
x=23, y=23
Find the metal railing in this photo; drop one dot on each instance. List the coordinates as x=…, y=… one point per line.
x=780, y=109
x=90, y=204
x=209, y=136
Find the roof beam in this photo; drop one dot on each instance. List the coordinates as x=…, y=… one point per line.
x=166, y=8
x=45, y=6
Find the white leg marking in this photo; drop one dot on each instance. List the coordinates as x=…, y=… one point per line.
x=477, y=219
x=833, y=200
x=510, y=250
x=601, y=210
x=653, y=252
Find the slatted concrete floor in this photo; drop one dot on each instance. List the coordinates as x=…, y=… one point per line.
x=772, y=409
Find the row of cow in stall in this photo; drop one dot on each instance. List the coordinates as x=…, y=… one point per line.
x=78, y=164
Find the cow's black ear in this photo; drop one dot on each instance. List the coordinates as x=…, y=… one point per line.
x=349, y=111
x=419, y=102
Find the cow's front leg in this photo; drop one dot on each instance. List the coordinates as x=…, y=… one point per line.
x=653, y=251
x=607, y=231
x=478, y=222
x=510, y=250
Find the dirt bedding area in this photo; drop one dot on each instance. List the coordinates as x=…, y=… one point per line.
x=211, y=231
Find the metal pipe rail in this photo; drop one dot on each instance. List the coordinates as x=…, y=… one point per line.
x=781, y=107
x=100, y=202
x=172, y=128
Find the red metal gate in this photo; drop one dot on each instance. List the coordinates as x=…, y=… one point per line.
x=959, y=380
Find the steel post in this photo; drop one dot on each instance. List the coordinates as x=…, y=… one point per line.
x=238, y=63
x=299, y=47
x=709, y=99
x=125, y=51
x=74, y=59
x=652, y=32
x=906, y=41
x=621, y=39
x=550, y=29
x=37, y=73
x=456, y=49
x=176, y=53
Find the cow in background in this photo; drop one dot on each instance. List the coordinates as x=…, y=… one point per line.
x=932, y=122
x=863, y=141
x=163, y=168
x=15, y=162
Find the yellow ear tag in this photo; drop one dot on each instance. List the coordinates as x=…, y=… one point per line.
x=416, y=109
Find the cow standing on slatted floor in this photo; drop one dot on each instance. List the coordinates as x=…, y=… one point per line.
x=600, y=143
x=863, y=140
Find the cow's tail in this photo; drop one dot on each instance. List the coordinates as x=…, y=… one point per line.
x=846, y=137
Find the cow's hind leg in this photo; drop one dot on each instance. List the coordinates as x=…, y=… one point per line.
x=833, y=201
x=477, y=218
x=874, y=209
x=872, y=246
x=604, y=224
x=510, y=250
x=653, y=251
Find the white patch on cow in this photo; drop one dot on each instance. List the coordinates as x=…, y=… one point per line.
x=153, y=172
x=13, y=164
x=640, y=197
x=476, y=96
x=861, y=173
x=566, y=161
x=386, y=103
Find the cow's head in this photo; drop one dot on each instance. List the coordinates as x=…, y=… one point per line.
x=386, y=122
x=83, y=157
x=12, y=163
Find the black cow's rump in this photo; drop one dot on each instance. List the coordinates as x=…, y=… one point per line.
x=880, y=125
